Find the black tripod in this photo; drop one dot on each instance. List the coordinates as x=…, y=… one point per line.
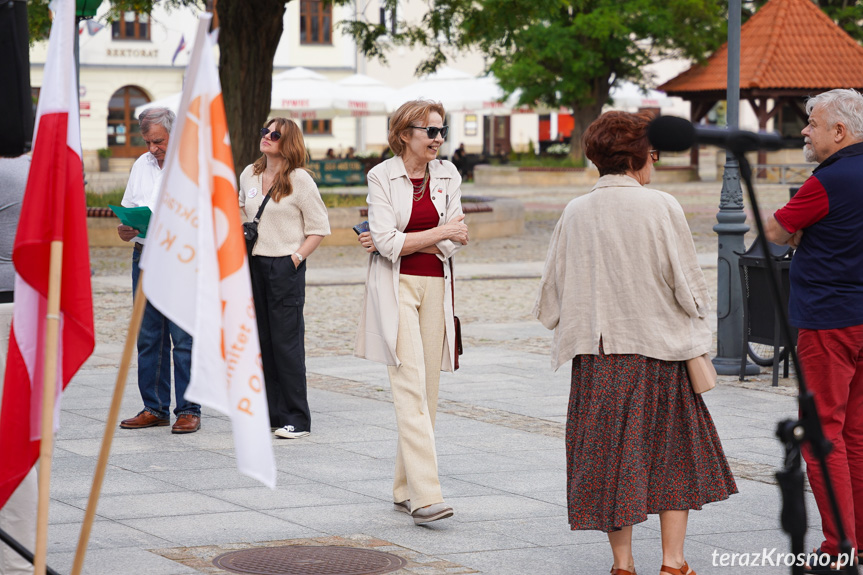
x=794, y=433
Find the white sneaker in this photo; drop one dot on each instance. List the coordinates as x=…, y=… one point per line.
x=287, y=432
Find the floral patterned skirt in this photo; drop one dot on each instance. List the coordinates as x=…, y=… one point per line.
x=638, y=441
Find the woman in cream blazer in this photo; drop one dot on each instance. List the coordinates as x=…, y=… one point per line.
x=623, y=291
x=415, y=221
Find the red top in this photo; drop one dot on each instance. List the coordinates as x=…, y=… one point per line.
x=424, y=217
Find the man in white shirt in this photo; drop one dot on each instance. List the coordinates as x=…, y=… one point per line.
x=157, y=332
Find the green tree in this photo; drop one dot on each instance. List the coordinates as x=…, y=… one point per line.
x=558, y=52
x=248, y=37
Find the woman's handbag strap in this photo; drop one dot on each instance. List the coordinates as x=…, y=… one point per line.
x=263, y=205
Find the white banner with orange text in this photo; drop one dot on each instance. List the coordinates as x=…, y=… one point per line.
x=196, y=269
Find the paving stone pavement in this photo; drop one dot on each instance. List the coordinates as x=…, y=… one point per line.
x=171, y=504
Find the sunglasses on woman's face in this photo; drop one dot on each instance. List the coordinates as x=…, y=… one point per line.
x=274, y=135
x=654, y=155
x=433, y=131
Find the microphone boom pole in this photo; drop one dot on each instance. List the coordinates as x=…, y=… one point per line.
x=676, y=134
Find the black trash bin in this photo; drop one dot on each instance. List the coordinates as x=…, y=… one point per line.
x=763, y=339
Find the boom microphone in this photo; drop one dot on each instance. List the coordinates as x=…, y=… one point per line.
x=671, y=134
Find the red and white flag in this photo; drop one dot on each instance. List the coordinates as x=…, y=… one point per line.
x=195, y=267
x=53, y=210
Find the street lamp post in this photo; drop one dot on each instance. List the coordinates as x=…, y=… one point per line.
x=732, y=225
x=84, y=9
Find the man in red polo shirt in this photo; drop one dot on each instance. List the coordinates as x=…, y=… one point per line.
x=824, y=221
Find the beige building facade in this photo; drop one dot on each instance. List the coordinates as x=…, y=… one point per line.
x=143, y=58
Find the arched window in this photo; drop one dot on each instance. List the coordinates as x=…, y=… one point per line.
x=124, y=134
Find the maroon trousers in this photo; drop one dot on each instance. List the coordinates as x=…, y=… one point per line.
x=832, y=361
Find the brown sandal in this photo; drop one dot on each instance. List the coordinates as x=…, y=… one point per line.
x=621, y=572
x=684, y=570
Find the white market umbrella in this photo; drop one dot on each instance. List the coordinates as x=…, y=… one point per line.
x=458, y=92
x=629, y=95
x=302, y=94
x=364, y=96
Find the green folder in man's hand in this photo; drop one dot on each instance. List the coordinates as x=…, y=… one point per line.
x=138, y=218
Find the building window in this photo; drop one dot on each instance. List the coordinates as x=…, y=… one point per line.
x=124, y=133
x=132, y=26
x=316, y=22
x=317, y=127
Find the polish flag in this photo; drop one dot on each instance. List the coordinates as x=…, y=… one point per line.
x=53, y=210
x=195, y=267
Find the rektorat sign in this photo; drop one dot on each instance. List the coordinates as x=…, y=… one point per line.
x=133, y=53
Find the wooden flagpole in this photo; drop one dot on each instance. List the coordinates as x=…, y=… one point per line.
x=49, y=390
x=110, y=426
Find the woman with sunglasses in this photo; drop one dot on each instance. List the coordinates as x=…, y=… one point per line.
x=415, y=221
x=623, y=291
x=292, y=225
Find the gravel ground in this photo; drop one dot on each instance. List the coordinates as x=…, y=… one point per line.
x=331, y=312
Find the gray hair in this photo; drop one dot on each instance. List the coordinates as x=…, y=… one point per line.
x=161, y=116
x=843, y=106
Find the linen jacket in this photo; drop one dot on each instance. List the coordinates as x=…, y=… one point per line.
x=390, y=202
x=622, y=267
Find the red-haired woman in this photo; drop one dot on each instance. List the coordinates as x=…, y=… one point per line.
x=291, y=227
x=415, y=218
x=623, y=291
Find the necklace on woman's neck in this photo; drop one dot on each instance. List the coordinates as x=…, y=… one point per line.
x=421, y=189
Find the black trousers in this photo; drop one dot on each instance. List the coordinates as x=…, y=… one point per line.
x=279, y=290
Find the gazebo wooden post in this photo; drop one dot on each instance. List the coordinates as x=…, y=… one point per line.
x=697, y=111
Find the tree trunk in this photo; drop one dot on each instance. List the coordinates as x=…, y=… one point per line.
x=248, y=36
x=584, y=114
x=582, y=118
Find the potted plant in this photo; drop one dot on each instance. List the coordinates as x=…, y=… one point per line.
x=104, y=154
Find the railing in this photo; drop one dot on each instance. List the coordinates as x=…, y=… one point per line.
x=783, y=173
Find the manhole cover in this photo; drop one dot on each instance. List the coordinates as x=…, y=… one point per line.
x=309, y=560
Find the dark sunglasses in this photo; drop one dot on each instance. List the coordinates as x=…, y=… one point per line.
x=433, y=131
x=654, y=155
x=274, y=135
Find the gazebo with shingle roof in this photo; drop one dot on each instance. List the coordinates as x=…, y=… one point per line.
x=789, y=50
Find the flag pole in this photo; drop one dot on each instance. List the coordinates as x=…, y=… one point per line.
x=110, y=426
x=46, y=445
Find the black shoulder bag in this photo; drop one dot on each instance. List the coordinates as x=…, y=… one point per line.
x=250, y=229
x=458, y=346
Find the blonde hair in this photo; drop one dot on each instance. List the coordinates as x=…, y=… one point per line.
x=408, y=115
x=292, y=148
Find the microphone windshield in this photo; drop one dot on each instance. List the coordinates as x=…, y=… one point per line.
x=671, y=134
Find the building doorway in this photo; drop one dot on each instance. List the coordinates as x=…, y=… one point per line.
x=495, y=138
x=124, y=134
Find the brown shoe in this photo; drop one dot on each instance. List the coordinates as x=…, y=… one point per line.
x=186, y=423
x=142, y=420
